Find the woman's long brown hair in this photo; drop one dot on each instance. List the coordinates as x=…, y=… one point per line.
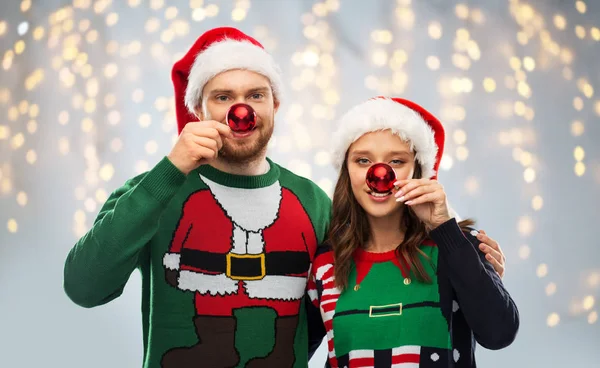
x=350, y=230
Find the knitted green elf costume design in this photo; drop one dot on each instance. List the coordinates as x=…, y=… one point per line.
x=386, y=317
x=224, y=258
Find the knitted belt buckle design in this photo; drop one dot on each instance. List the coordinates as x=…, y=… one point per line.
x=385, y=310
x=245, y=267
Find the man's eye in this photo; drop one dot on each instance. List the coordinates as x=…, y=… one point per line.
x=222, y=98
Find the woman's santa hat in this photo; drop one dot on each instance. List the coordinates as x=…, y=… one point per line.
x=411, y=122
x=215, y=52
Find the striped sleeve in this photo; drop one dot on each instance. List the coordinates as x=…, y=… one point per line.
x=313, y=294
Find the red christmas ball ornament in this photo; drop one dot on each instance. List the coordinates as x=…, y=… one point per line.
x=381, y=178
x=241, y=118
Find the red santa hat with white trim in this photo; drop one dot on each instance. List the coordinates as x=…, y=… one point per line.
x=411, y=122
x=217, y=51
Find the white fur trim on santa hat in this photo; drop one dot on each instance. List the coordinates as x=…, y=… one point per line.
x=229, y=55
x=381, y=114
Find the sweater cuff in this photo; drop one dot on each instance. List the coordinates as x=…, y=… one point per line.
x=449, y=235
x=163, y=181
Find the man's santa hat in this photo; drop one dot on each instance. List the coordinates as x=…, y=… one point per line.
x=411, y=122
x=215, y=52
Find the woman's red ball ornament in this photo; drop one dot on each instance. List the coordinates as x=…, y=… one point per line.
x=381, y=178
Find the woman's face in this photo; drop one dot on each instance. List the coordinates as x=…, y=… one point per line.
x=371, y=148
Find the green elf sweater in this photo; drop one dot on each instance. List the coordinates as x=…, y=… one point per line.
x=386, y=318
x=224, y=262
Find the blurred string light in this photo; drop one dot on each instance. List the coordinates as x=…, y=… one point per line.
x=390, y=76
x=85, y=63
x=536, y=28
x=315, y=76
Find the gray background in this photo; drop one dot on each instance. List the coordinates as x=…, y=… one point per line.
x=53, y=194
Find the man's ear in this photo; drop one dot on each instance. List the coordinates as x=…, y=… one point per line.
x=276, y=104
x=198, y=111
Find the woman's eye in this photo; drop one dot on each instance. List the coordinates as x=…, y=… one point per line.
x=397, y=162
x=362, y=161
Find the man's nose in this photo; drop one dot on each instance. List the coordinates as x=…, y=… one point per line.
x=240, y=99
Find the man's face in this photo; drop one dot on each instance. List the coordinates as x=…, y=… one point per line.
x=241, y=86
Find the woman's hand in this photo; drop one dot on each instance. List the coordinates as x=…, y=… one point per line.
x=427, y=199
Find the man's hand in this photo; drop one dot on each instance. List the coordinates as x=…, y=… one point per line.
x=493, y=252
x=198, y=144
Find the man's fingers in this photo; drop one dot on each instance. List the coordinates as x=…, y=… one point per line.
x=205, y=153
x=491, y=251
x=487, y=240
x=224, y=130
x=209, y=128
x=499, y=268
x=210, y=143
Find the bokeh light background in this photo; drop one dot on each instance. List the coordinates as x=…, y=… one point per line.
x=86, y=102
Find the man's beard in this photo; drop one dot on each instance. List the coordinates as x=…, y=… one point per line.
x=238, y=152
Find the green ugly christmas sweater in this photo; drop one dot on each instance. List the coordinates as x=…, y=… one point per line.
x=387, y=318
x=224, y=261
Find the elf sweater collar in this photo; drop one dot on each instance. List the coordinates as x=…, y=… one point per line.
x=364, y=261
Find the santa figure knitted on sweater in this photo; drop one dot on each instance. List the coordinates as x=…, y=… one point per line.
x=235, y=247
